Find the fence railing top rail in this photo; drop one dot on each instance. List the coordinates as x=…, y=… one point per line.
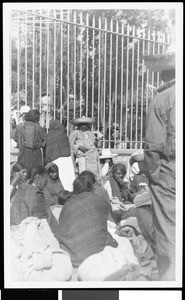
x=94, y=28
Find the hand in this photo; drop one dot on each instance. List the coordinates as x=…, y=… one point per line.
x=83, y=148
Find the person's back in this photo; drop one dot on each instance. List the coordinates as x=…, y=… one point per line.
x=27, y=202
x=30, y=138
x=83, y=226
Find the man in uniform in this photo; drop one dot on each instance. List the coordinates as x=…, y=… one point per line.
x=159, y=157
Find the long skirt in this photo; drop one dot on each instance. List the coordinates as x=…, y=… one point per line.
x=31, y=158
x=66, y=172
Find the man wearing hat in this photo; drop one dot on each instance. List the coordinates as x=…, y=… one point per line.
x=83, y=149
x=159, y=158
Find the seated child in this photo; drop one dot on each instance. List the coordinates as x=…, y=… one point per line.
x=53, y=186
x=63, y=197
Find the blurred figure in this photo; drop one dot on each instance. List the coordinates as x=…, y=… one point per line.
x=159, y=157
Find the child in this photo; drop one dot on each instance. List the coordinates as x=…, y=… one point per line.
x=53, y=186
x=62, y=197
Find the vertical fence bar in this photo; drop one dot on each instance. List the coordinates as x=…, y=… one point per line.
x=68, y=31
x=142, y=85
x=104, y=90
x=33, y=66
x=10, y=60
x=93, y=69
x=158, y=52
x=137, y=86
x=122, y=56
x=87, y=65
x=81, y=64
x=153, y=52
x=163, y=48
x=47, y=72
x=147, y=77
x=126, y=112
x=61, y=67
x=18, y=66
x=99, y=72
x=74, y=65
x=40, y=65
x=132, y=84
x=110, y=85
x=116, y=81
x=54, y=71
x=26, y=70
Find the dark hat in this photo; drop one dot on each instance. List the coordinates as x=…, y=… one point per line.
x=161, y=62
x=83, y=120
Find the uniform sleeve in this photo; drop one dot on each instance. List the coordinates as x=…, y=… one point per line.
x=155, y=137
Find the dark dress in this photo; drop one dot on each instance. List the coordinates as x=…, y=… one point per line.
x=30, y=155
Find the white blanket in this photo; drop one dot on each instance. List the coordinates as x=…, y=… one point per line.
x=36, y=254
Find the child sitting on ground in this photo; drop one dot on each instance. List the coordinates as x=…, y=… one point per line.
x=53, y=186
x=62, y=198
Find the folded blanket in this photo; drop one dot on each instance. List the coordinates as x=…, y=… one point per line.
x=40, y=256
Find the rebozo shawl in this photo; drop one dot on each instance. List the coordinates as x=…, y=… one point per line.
x=57, y=142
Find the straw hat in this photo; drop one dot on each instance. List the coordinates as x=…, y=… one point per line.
x=83, y=120
x=106, y=153
x=161, y=62
x=24, y=109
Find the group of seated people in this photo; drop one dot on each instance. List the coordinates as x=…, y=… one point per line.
x=91, y=222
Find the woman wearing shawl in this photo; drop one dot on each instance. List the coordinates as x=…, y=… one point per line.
x=30, y=139
x=119, y=193
x=58, y=152
x=29, y=200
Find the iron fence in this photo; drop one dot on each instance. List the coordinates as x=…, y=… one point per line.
x=87, y=66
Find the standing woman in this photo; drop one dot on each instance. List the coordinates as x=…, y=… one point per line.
x=58, y=152
x=30, y=139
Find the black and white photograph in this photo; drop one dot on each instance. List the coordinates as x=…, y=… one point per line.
x=92, y=110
